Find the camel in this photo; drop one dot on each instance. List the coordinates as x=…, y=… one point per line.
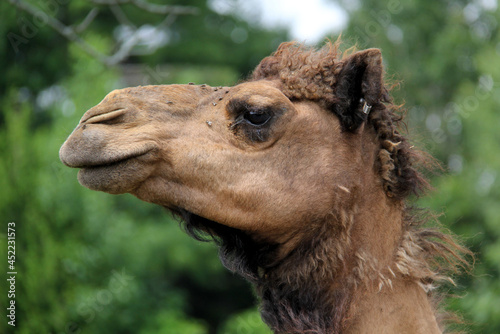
x=301, y=174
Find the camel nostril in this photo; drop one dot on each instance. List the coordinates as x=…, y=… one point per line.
x=106, y=117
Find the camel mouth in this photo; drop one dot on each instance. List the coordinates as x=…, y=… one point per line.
x=116, y=175
x=95, y=160
x=113, y=161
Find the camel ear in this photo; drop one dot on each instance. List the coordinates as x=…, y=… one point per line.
x=359, y=86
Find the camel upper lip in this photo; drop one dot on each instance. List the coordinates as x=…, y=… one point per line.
x=102, y=160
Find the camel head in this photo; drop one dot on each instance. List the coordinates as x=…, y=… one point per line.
x=262, y=156
x=300, y=173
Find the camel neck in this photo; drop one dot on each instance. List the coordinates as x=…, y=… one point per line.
x=308, y=290
x=326, y=287
x=402, y=308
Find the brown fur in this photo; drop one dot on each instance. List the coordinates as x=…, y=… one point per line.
x=305, y=194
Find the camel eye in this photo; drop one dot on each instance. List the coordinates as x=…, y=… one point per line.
x=257, y=117
x=253, y=121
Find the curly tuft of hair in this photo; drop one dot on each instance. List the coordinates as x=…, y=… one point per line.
x=306, y=74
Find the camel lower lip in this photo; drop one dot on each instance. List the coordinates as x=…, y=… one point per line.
x=116, y=178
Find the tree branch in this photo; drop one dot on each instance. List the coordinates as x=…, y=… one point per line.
x=152, y=8
x=64, y=30
x=120, y=16
x=125, y=48
x=88, y=19
x=169, y=19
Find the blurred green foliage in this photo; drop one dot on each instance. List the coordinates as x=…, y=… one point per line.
x=89, y=262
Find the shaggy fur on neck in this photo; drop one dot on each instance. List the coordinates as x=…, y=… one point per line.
x=310, y=290
x=296, y=293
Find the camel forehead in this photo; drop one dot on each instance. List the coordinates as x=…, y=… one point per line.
x=262, y=91
x=157, y=94
x=151, y=90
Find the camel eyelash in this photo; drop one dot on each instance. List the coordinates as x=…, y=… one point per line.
x=250, y=121
x=240, y=126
